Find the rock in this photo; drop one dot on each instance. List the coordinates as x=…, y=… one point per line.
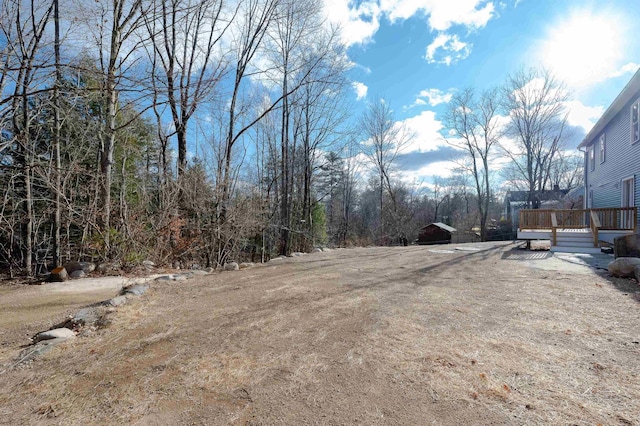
x=326, y=249
x=627, y=246
x=148, y=264
x=136, y=290
x=180, y=277
x=78, y=274
x=58, y=275
x=199, y=272
x=209, y=270
x=57, y=333
x=231, y=266
x=624, y=267
x=296, y=254
x=72, y=266
x=86, y=267
x=637, y=273
x=176, y=265
x=117, y=301
x=39, y=349
x=164, y=278
x=86, y=316
x=317, y=250
x=105, y=268
x=245, y=265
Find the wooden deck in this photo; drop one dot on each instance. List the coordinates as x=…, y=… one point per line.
x=577, y=229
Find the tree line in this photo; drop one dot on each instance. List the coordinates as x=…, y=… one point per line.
x=204, y=131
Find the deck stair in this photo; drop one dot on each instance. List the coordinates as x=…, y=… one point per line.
x=574, y=241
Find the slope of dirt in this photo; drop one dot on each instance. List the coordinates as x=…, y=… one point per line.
x=361, y=336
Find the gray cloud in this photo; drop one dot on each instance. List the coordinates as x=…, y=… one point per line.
x=417, y=160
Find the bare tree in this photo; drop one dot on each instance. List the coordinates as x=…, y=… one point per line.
x=535, y=103
x=186, y=64
x=23, y=27
x=566, y=170
x=474, y=127
x=384, y=140
x=113, y=23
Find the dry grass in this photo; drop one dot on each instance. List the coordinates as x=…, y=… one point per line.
x=374, y=336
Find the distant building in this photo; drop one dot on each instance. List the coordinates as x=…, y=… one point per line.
x=436, y=233
x=514, y=201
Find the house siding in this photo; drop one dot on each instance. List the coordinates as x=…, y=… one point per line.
x=622, y=160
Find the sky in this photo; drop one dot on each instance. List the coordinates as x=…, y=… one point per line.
x=415, y=53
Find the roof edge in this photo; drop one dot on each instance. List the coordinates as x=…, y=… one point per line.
x=616, y=106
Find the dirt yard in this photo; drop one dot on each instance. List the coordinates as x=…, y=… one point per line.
x=407, y=335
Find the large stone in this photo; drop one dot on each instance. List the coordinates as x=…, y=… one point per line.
x=136, y=290
x=231, y=266
x=117, y=301
x=78, y=274
x=637, y=273
x=58, y=275
x=198, y=272
x=148, y=264
x=164, y=278
x=40, y=348
x=57, y=333
x=627, y=246
x=73, y=266
x=624, y=267
x=86, y=316
x=245, y=265
x=316, y=250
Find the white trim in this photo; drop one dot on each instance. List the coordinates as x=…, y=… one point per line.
x=635, y=127
x=632, y=193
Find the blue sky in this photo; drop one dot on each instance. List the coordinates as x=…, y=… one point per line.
x=415, y=53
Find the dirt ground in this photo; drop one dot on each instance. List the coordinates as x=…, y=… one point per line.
x=408, y=335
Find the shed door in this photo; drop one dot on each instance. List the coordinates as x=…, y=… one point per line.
x=628, y=201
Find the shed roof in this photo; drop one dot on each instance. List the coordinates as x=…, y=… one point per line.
x=442, y=226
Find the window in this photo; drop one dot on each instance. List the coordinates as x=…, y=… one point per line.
x=592, y=158
x=635, y=122
x=602, y=148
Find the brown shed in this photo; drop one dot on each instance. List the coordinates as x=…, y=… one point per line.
x=436, y=233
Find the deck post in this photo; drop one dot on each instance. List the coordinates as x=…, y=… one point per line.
x=595, y=225
x=554, y=226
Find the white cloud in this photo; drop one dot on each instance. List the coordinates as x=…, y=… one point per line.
x=435, y=96
x=582, y=115
x=442, y=14
x=629, y=68
x=447, y=49
x=442, y=169
x=361, y=89
x=426, y=129
x=360, y=22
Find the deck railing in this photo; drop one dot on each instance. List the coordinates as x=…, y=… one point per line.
x=612, y=218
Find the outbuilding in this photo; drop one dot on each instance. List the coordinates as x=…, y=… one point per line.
x=436, y=233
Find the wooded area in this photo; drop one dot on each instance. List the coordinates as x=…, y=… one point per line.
x=203, y=131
